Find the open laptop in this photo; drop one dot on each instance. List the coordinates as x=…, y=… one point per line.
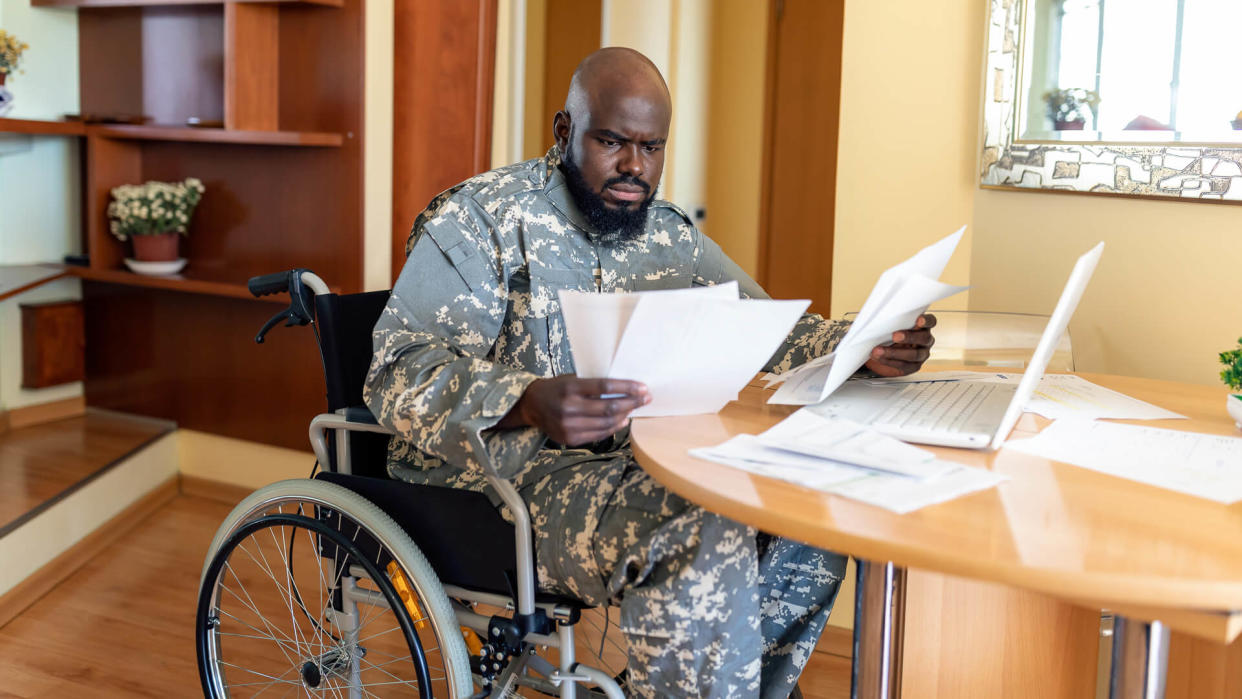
x=970, y=414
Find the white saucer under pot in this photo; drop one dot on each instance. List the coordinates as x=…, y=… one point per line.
x=155, y=269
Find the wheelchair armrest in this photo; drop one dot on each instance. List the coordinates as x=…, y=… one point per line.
x=361, y=415
x=322, y=423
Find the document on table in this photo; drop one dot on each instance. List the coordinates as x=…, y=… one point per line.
x=1202, y=465
x=900, y=494
x=900, y=295
x=849, y=442
x=693, y=348
x=1068, y=396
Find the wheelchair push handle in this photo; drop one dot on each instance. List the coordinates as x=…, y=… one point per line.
x=302, y=286
x=268, y=284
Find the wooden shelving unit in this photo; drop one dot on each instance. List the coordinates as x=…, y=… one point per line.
x=42, y=128
x=183, y=134
x=15, y=279
x=168, y=3
x=206, y=135
x=283, y=184
x=185, y=283
x=284, y=180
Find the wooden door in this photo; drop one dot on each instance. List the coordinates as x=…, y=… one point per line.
x=442, y=102
x=800, y=155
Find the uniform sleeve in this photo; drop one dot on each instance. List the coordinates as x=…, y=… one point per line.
x=429, y=379
x=812, y=336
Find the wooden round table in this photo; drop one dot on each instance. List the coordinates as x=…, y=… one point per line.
x=1068, y=532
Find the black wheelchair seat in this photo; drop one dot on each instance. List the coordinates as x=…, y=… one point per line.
x=439, y=520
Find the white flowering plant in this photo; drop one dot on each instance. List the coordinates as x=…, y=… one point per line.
x=11, y=50
x=153, y=208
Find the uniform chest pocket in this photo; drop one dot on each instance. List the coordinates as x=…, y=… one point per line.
x=545, y=285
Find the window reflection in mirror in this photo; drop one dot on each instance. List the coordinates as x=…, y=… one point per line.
x=1132, y=70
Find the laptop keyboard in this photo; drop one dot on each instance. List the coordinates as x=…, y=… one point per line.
x=939, y=406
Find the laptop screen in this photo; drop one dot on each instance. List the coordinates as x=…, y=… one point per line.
x=1048, y=341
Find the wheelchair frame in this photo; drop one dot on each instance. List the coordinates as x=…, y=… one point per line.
x=561, y=680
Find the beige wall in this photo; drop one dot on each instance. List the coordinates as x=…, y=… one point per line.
x=1165, y=299
x=909, y=126
x=1167, y=295
x=734, y=146
x=377, y=147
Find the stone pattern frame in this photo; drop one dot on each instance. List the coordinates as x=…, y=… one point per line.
x=1189, y=171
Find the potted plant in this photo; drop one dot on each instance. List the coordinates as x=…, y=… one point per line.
x=1232, y=376
x=1069, y=108
x=10, y=56
x=154, y=215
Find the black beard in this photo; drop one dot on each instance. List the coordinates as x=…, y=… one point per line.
x=612, y=227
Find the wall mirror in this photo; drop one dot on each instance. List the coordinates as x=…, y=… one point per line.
x=1133, y=97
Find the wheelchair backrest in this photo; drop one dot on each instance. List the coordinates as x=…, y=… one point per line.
x=345, y=325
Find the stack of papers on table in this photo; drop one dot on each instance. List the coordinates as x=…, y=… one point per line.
x=900, y=295
x=1204, y=465
x=695, y=349
x=845, y=458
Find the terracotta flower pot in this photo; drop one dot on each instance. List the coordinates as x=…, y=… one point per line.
x=1075, y=125
x=161, y=247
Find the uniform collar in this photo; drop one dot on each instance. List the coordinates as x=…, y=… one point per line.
x=557, y=191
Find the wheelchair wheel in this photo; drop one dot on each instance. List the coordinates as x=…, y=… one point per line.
x=310, y=588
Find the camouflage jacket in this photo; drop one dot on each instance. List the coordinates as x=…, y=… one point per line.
x=474, y=317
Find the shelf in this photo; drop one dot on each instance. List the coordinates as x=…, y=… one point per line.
x=15, y=279
x=196, y=135
x=183, y=134
x=42, y=128
x=148, y=3
x=187, y=283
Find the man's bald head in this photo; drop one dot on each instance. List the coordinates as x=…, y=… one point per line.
x=611, y=135
x=615, y=70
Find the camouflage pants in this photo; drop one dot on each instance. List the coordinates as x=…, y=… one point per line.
x=710, y=608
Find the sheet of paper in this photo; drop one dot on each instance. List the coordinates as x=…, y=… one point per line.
x=1206, y=466
x=595, y=322
x=902, y=495
x=746, y=452
x=924, y=377
x=694, y=351
x=899, y=494
x=846, y=441
x=899, y=296
x=1069, y=396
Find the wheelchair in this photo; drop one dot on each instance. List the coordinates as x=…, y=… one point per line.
x=351, y=583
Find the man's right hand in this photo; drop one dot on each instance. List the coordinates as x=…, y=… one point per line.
x=573, y=411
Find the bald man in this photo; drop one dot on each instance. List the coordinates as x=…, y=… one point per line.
x=473, y=346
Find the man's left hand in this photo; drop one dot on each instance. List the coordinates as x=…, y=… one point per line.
x=908, y=351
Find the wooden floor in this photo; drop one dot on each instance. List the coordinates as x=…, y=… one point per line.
x=121, y=625
x=40, y=462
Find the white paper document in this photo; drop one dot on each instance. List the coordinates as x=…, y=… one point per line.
x=846, y=441
x=595, y=322
x=1068, y=396
x=693, y=348
x=900, y=494
x=924, y=377
x=1203, y=465
x=900, y=295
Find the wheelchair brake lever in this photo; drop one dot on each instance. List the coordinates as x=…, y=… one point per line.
x=271, y=322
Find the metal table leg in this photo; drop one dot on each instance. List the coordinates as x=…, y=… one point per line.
x=1140, y=659
x=879, y=622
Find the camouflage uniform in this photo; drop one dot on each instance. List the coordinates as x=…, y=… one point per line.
x=709, y=606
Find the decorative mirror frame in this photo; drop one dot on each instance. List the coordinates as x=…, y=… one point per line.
x=1194, y=171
